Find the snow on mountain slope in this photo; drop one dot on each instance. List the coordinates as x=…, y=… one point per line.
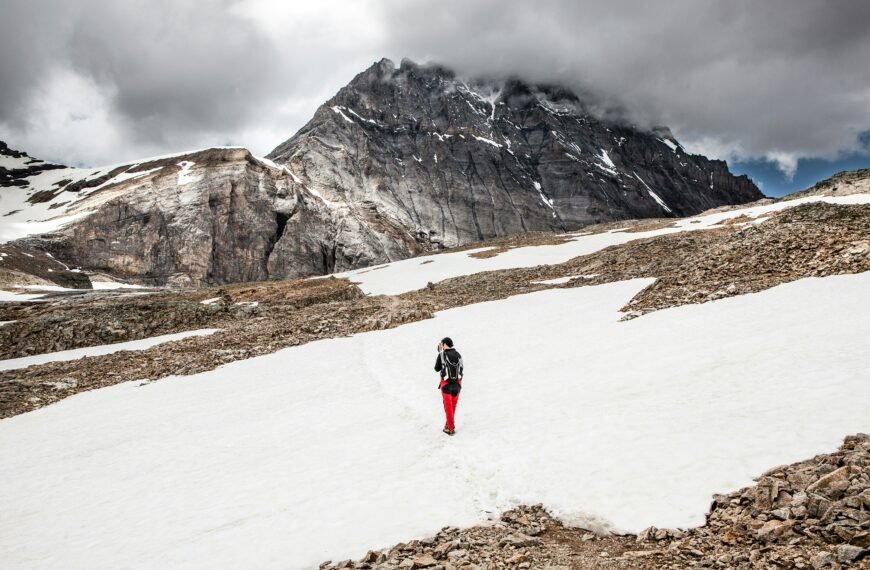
x=44, y=201
x=415, y=273
x=331, y=448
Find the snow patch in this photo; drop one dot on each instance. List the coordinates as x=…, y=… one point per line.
x=17, y=163
x=654, y=196
x=547, y=201
x=670, y=144
x=487, y=141
x=184, y=175
x=12, y=297
x=112, y=285
x=361, y=118
x=336, y=109
x=562, y=280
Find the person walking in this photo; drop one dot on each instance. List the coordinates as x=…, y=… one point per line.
x=449, y=364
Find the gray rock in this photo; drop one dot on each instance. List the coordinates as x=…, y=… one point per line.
x=822, y=560
x=849, y=553
x=519, y=540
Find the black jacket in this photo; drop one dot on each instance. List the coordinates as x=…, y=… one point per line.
x=453, y=357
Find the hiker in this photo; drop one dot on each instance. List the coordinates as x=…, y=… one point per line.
x=449, y=364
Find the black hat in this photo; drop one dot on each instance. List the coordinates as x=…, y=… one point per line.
x=447, y=341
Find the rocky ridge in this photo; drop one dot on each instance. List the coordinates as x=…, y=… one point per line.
x=841, y=184
x=215, y=215
x=444, y=162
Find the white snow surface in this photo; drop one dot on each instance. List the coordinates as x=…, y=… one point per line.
x=75, y=354
x=338, y=110
x=184, y=175
x=14, y=297
x=670, y=144
x=410, y=274
x=107, y=285
x=547, y=201
x=95, y=286
x=17, y=163
x=622, y=425
x=562, y=280
x=487, y=141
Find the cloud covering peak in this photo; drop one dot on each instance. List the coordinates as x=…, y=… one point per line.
x=100, y=81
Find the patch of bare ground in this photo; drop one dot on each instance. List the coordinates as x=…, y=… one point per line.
x=742, y=219
x=812, y=514
x=812, y=240
x=494, y=247
x=648, y=226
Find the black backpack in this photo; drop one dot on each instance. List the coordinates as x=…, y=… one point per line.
x=450, y=368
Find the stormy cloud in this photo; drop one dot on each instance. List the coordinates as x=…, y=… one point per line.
x=97, y=81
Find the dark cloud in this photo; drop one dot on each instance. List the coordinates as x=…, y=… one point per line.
x=779, y=79
x=169, y=74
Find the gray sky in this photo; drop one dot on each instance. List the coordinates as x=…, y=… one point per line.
x=102, y=81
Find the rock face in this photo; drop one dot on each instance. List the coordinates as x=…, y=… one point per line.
x=402, y=160
x=418, y=153
x=212, y=216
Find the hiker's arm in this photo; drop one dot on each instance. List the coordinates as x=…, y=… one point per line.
x=438, y=363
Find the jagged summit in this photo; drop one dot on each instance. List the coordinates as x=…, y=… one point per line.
x=515, y=156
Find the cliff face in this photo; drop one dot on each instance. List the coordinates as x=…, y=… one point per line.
x=451, y=162
x=402, y=160
x=212, y=216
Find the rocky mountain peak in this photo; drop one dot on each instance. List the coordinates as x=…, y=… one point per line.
x=403, y=160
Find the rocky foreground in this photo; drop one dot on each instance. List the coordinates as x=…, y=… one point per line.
x=812, y=514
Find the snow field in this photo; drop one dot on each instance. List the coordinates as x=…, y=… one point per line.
x=331, y=448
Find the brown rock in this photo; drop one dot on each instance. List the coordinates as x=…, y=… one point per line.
x=831, y=483
x=424, y=561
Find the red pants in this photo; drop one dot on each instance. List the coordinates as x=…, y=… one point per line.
x=450, y=403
